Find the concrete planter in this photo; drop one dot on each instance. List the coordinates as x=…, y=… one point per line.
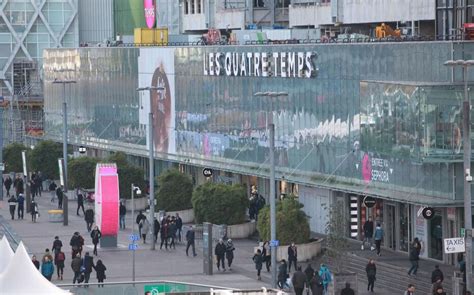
x=340, y=279
x=140, y=203
x=186, y=215
x=55, y=215
x=305, y=251
x=241, y=231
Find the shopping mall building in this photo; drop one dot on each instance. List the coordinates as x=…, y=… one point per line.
x=352, y=120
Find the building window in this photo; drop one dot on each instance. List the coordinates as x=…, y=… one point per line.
x=259, y=3
x=193, y=2
x=199, y=6
x=186, y=7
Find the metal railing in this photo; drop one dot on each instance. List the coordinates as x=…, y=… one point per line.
x=5, y=230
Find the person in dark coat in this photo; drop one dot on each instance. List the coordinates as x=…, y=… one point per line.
x=258, y=260
x=100, y=271
x=219, y=251
x=156, y=228
x=368, y=233
x=80, y=204
x=122, y=213
x=34, y=210
x=292, y=256
x=190, y=236
x=96, y=234
x=229, y=252
x=282, y=274
x=52, y=190
x=347, y=290
x=139, y=218
x=179, y=227
x=267, y=255
x=172, y=233
x=12, y=206
x=21, y=206
x=316, y=285
x=89, y=218
x=57, y=245
x=309, y=272
x=371, y=271
x=76, y=264
x=164, y=235
x=88, y=263
x=414, y=256
x=59, y=262
x=437, y=274
x=299, y=281
x=35, y=262
x=8, y=184
x=60, y=195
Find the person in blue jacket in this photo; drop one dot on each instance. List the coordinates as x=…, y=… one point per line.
x=378, y=236
x=47, y=268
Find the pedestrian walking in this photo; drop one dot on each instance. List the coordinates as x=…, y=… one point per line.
x=229, y=253
x=88, y=265
x=179, y=227
x=439, y=291
x=378, y=236
x=52, y=190
x=368, y=233
x=59, y=261
x=139, y=218
x=60, y=195
x=219, y=251
x=292, y=256
x=18, y=184
x=76, y=265
x=34, y=211
x=309, y=272
x=172, y=232
x=190, y=240
x=47, y=268
x=35, y=262
x=410, y=290
x=436, y=285
x=316, y=285
x=100, y=272
x=156, y=228
x=80, y=204
x=76, y=243
x=8, y=184
x=371, y=271
x=347, y=290
x=122, y=213
x=95, y=235
x=258, y=260
x=145, y=227
x=298, y=280
x=12, y=206
x=21, y=206
x=164, y=234
x=282, y=274
x=89, y=218
x=436, y=275
x=57, y=245
x=414, y=256
x=48, y=255
x=326, y=276
x=267, y=255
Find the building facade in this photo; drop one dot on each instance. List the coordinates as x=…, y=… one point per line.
x=352, y=120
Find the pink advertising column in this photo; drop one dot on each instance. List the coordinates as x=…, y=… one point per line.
x=107, y=203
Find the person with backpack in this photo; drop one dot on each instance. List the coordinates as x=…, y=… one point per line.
x=47, y=268
x=59, y=261
x=316, y=284
x=89, y=218
x=325, y=275
x=371, y=271
x=100, y=272
x=258, y=260
x=95, y=235
x=378, y=236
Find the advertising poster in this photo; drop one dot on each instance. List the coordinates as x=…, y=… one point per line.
x=156, y=69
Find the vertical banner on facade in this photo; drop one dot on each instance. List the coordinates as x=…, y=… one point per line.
x=156, y=69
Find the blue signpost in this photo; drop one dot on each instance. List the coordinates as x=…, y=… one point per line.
x=274, y=243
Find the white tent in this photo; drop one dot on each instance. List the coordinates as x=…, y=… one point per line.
x=22, y=277
x=6, y=254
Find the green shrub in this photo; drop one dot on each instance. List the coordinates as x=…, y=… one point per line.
x=44, y=157
x=174, y=192
x=12, y=157
x=291, y=222
x=81, y=172
x=128, y=174
x=219, y=203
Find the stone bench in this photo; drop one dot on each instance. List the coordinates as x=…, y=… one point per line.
x=56, y=215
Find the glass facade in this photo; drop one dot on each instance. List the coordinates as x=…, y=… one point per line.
x=337, y=128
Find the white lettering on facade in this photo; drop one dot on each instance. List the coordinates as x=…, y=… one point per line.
x=265, y=64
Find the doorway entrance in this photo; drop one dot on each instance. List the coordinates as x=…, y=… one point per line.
x=390, y=227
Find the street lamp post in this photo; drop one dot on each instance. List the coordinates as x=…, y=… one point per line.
x=151, y=160
x=272, y=200
x=135, y=189
x=465, y=64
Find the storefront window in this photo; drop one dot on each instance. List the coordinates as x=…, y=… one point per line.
x=405, y=227
x=435, y=229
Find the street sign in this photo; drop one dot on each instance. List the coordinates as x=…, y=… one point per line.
x=132, y=247
x=454, y=245
x=133, y=238
x=274, y=243
x=207, y=172
x=428, y=212
x=369, y=202
x=166, y=288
